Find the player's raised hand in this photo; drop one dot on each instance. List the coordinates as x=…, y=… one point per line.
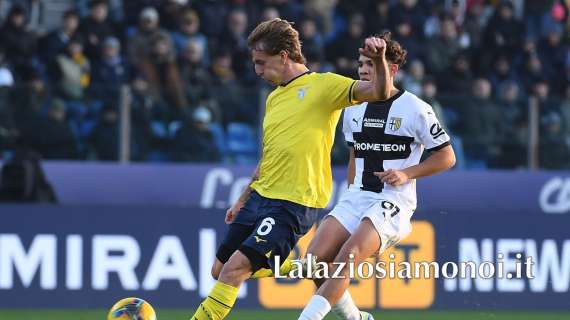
x=392, y=177
x=374, y=48
x=233, y=212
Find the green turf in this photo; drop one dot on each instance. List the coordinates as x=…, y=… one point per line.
x=292, y=315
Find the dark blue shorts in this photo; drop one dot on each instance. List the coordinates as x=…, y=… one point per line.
x=265, y=228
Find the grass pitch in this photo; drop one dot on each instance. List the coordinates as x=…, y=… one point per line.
x=289, y=315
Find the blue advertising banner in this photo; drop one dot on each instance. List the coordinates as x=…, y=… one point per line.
x=90, y=256
x=212, y=186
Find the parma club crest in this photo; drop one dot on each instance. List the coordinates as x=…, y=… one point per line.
x=395, y=123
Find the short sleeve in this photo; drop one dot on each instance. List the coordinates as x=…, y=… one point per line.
x=346, y=130
x=430, y=132
x=338, y=90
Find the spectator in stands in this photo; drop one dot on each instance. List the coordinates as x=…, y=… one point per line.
x=189, y=30
x=162, y=71
x=377, y=16
x=533, y=72
x=141, y=43
x=50, y=135
x=18, y=42
x=269, y=13
x=341, y=51
x=290, y=10
x=194, y=141
x=408, y=11
x=95, y=28
x=144, y=102
x=72, y=71
x=414, y=77
x=227, y=92
x=480, y=125
x=29, y=99
x=554, y=51
x=475, y=21
x=110, y=72
x=458, y=79
x=195, y=75
x=514, y=139
x=56, y=41
x=502, y=73
x=312, y=40
x=504, y=33
x=155, y=59
x=553, y=151
x=443, y=48
x=170, y=12
x=429, y=94
x=104, y=139
x=213, y=14
x=234, y=40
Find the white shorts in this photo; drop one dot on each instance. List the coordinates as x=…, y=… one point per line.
x=390, y=219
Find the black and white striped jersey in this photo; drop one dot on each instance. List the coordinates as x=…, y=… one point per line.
x=391, y=134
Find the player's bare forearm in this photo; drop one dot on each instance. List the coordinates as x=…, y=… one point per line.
x=379, y=87
x=247, y=191
x=437, y=161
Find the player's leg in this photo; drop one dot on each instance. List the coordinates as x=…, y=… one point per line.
x=361, y=245
x=341, y=222
x=223, y=295
x=331, y=234
x=329, y=238
x=274, y=234
x=237, y=233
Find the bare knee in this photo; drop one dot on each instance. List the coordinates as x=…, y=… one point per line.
x=236, y=270
x=348, y=254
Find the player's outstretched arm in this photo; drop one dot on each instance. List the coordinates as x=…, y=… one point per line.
x=380, y=86
x=232, y=212
x=437, y=161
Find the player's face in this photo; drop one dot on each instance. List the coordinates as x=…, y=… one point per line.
x=365, y=68
x=268, y=67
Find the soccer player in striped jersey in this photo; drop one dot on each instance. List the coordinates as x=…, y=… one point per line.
x=293, y=179
x=387, y=138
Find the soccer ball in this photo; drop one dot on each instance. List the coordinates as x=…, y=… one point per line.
x=131, y=309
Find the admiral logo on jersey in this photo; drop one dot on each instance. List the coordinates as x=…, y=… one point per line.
x=374, y=123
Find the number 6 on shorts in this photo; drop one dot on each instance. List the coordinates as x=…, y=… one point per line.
x=265, y=226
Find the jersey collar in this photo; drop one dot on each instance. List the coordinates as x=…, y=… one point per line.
x=297, y=77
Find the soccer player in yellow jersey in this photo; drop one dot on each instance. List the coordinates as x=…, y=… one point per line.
x=293, y=178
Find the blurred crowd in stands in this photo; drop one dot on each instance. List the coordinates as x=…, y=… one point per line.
x=194, y=96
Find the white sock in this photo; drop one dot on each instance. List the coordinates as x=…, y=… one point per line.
x=316, y=309
x=345, y=309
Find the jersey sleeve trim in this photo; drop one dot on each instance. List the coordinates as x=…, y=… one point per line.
x=441, y=146
x=350, y=93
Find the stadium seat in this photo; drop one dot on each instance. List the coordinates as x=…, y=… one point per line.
x=159, y=129
x=242, y=143
x=173, y=127
x=219, y=136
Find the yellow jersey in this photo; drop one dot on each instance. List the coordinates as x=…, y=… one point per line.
x=298, y=133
